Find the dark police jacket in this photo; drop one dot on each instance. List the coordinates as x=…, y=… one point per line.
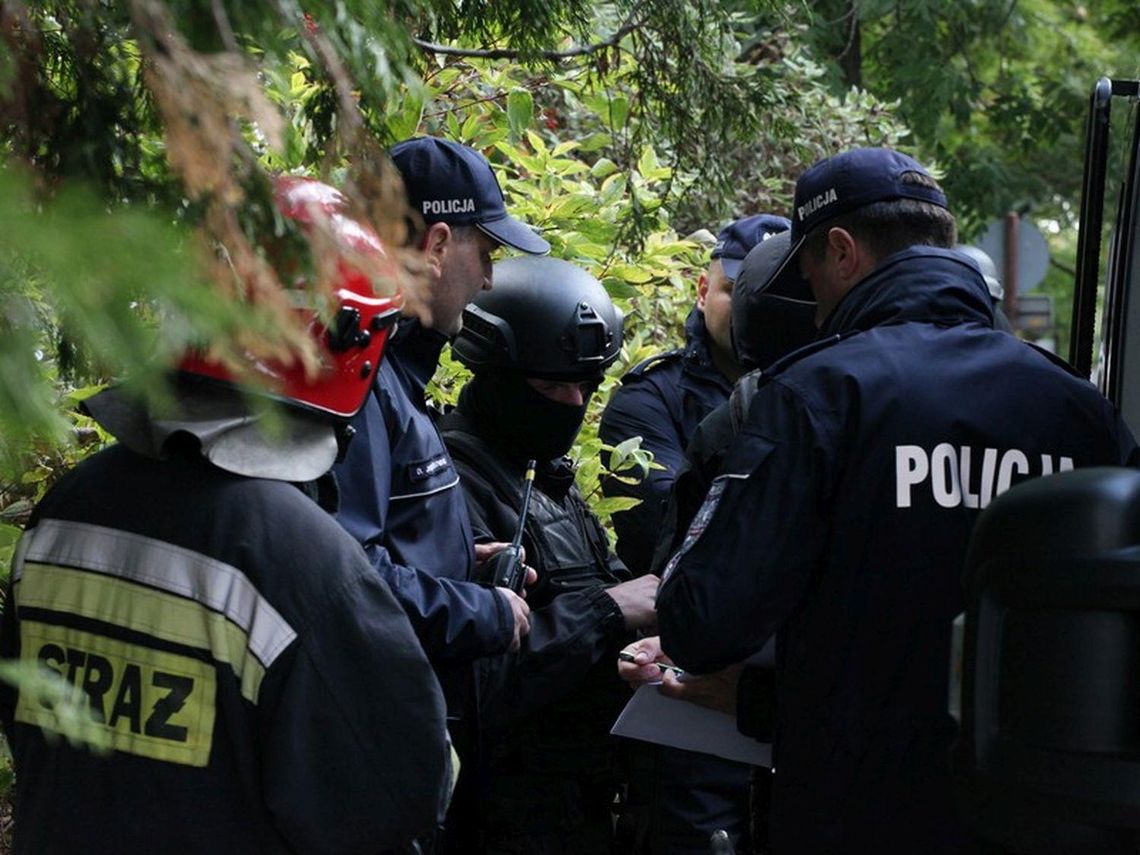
x=400, y=498
x=260, y=688
x=548, y=707
x=841, y=518
x=662, y=400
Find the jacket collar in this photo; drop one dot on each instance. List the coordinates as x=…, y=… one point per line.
x=417, y=348
x=918, y=284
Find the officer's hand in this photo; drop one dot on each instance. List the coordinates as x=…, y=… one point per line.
x=645, y=654
x=717, y=691
x=637, y=600
x=486, y=551
x=521, y=612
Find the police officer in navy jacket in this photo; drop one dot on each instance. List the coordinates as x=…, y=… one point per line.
x=678, y=798
x=840, y=519
x=664, y=398
x=400, y=493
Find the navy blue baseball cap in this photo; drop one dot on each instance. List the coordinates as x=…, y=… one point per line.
x=839, y=185
x=451, y=183
x=737, y=238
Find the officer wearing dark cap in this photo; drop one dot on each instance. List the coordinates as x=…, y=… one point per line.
x=840, y=518
x=400, y=493
x=664, y=398
x=764, y=329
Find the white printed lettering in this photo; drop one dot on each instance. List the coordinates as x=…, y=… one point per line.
x=970, y=500
x=944, y=476
x=989, y=466
x=448, y=206
x=911, y=468
x=953, y=479
x=1013, y=460
x=814, y=204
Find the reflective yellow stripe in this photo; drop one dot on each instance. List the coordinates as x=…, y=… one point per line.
x=147, y=561
x=155, y=613
x=152, y=703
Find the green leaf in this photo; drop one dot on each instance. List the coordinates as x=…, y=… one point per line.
x=649, y=167
x=637, y=275
x=536, y=142
x=620, y=290
x=619, y=111
x=594, y=142
x=64, y=708
x=603, y=168
x=76, y=396
x=627, y=446
x=520, y=111
x=614, y=504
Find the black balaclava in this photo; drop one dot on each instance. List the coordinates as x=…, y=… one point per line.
x=519, y=420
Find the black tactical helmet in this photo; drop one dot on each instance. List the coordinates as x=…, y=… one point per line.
x=545, y=317
x=766, y=327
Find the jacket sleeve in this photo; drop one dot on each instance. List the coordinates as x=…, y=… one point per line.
x=568, y=636
x=454, y=620
x=702, y=461
x=754, y=544
x=638, y=410
x=355, y=751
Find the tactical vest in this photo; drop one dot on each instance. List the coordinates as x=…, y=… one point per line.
x=564, y=542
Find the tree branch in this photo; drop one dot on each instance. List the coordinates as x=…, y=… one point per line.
x=1064, y=268
x=850, y=60
x=223, y=22
x=508, y=53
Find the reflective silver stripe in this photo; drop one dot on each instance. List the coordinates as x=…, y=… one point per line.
x=426, y=492
x=18, y=556
x=135, y=558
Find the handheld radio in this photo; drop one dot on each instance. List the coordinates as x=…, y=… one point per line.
x=507, y=570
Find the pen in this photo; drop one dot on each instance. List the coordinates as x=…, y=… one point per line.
x=629, y=657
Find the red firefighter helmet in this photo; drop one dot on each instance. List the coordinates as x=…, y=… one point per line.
x=351, y=344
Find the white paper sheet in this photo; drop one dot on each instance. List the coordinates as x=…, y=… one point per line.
x=653, y=717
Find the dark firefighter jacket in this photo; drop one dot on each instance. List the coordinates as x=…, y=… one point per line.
x=260, y=688
x=547, y=708
x=662, y=400
x=840, y=521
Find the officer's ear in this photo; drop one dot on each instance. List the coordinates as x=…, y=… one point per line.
x=849, y=257
x=437, y=242
x=702, y=291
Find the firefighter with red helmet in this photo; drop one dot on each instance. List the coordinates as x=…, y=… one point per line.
x=258, y=685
